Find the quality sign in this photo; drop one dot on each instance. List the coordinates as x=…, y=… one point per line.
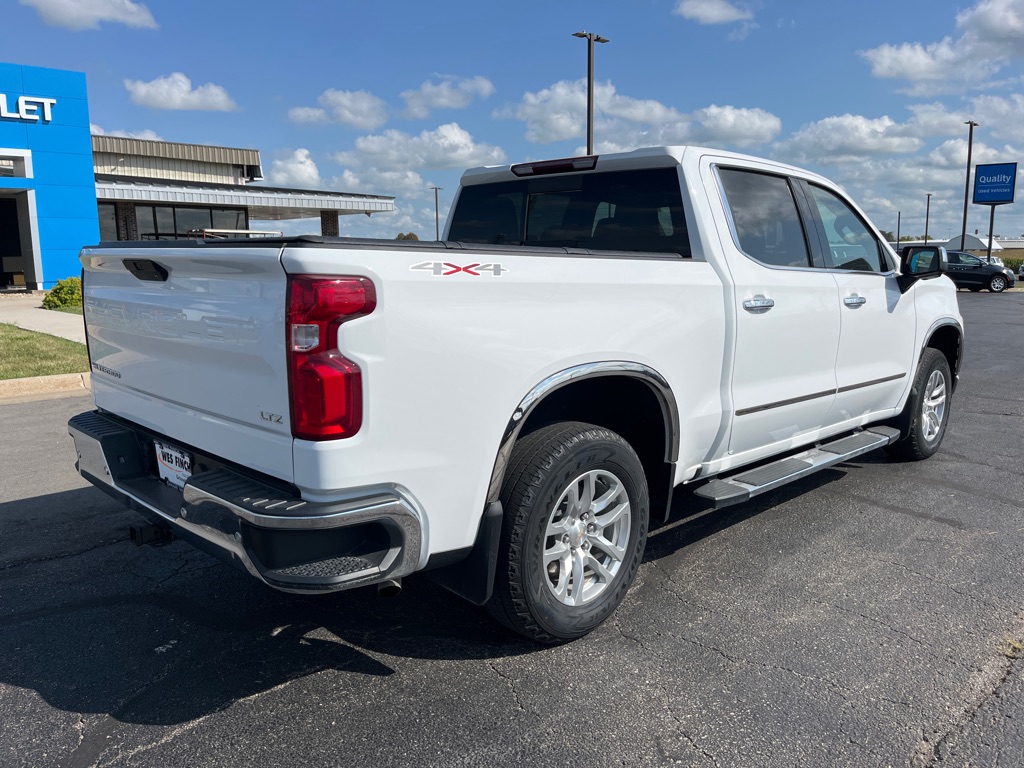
x=994, y=184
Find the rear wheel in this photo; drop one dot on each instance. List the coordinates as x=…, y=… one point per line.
x=576, y=513
x=997, y=284
x=923, y=422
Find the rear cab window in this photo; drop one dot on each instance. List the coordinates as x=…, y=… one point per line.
x=639, y=210
x=765, y=221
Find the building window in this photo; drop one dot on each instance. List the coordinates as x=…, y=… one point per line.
x=15, y=163
x=108, y=222
x=176, y=222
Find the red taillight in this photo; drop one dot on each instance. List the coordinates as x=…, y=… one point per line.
x=326, y=388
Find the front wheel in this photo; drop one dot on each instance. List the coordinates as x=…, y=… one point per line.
x=997, y=284
x=576, y=514
x=923, y=422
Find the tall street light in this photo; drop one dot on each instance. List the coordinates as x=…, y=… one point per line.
x=591, y=38
x=967, y=182
x=927, y=212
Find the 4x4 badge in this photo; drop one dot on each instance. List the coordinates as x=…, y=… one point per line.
x=446, y=268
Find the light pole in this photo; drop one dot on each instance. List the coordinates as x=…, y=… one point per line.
x=591, y=38
x=927, y=212
x=967, y=180
x=437, y=215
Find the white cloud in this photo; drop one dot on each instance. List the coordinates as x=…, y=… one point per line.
x=307, y=115
x=558, y=112
x=175, y=92
x=295, y=170
x=1002, y=118
x=146, y=134
x=712, y=11
x=450, y=93
x=992, y=35
x=885, y=186
x=447, y=146
x=555, y=113
x=371, y=181
x=847, y=138
x=999, y=23
x=934, y=119
x=943, y=67
x=735, y=126
x=87, y=14
x=718, y=12
x=357, y=109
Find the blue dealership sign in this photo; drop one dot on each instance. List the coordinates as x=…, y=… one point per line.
x=994, y=184
x=47, y=177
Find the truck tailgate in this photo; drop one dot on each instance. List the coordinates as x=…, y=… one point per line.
x=189, y=341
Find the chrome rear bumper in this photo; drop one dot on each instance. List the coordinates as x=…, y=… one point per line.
x=270, y=532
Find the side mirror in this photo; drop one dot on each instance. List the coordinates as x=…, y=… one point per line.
x=920, y=262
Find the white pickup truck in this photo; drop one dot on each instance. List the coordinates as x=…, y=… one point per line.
x=508, y=408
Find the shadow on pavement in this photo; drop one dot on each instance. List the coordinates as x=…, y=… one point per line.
x=168, y=635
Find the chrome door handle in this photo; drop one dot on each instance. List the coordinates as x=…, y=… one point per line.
x=758, y=304
x=855, y=301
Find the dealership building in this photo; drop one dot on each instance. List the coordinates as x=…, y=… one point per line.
x=62, y=188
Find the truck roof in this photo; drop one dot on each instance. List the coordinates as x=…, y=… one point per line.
x=645, y=157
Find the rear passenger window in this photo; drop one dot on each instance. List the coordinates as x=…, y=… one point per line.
x=765, y=220
x=850, y=242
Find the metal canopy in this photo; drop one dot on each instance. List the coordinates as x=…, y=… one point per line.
x=264, y=203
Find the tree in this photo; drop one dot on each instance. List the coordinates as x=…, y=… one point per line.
x=887, y=234
x=409, y=236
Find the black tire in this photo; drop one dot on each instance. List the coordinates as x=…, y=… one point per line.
x=974, y=290
x=923, y=422
x=997, y=284
x=547, y=470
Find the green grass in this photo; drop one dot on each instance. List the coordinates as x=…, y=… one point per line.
x=27, y=353
x=75, y=310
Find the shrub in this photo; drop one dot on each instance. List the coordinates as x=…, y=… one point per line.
x=66, y=293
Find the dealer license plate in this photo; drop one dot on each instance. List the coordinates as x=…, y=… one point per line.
x=174, y=464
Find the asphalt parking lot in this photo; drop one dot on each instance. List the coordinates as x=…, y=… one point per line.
x=867, y=616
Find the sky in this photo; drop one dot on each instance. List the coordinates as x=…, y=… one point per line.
x=395, y=98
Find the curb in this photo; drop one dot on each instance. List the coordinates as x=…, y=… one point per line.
x=37, y=385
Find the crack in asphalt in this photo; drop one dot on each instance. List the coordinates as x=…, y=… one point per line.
x=59, y=556
x=691, y=741
x=981, y=687
x=871, y=619
x=616, y=622
x=511, y=683
x=845, y=692
x=934, y=580
x=991, y=413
